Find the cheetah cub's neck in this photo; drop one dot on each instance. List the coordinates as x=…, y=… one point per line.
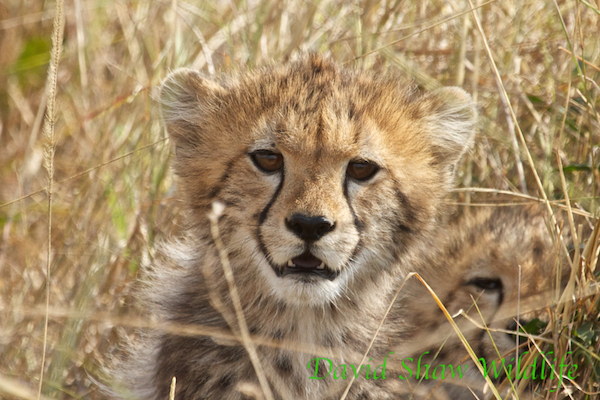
x=330, y=177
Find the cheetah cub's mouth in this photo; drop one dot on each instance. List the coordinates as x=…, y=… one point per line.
x=306, y=264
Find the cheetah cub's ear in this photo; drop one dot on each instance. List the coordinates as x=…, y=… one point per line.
x=451, y=116
x=189, y=102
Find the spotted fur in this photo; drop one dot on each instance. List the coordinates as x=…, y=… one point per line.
x=478, y=260
x=319, y=117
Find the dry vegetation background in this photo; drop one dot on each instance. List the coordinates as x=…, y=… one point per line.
x=114, y=190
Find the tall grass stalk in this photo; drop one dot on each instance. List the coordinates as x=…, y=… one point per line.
x=50, y=137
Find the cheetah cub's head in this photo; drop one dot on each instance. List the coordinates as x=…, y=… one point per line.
x=327, y=174
x=510, y=267
x=506, y=261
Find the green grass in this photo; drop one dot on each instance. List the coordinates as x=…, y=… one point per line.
x=118, y=200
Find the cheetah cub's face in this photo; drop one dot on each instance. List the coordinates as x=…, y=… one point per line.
x=510, y=270
x=506, y=261
x=327, y=174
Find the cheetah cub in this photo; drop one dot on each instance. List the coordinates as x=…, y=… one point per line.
x=479, y=261
x=330, y=178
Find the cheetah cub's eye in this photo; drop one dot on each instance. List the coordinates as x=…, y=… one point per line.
x=267, y=161
x=486, y=283
x=362, y=170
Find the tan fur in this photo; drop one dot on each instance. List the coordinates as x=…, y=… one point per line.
x=320, y=117
x=478, y=250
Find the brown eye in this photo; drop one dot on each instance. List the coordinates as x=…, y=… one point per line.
x=362, y=170
x=267, y=161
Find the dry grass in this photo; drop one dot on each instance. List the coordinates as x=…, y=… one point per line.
x=113, y=191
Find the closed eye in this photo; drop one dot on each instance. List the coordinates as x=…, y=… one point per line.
x=485, y=283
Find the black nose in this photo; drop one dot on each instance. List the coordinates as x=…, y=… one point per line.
x=309, y=229
x=512, y=325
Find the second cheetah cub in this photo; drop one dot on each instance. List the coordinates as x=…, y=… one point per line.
x=330, y=178
x=479, y=262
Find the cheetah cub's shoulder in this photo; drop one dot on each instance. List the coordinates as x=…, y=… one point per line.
x=329, y=178
x=505, y=260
